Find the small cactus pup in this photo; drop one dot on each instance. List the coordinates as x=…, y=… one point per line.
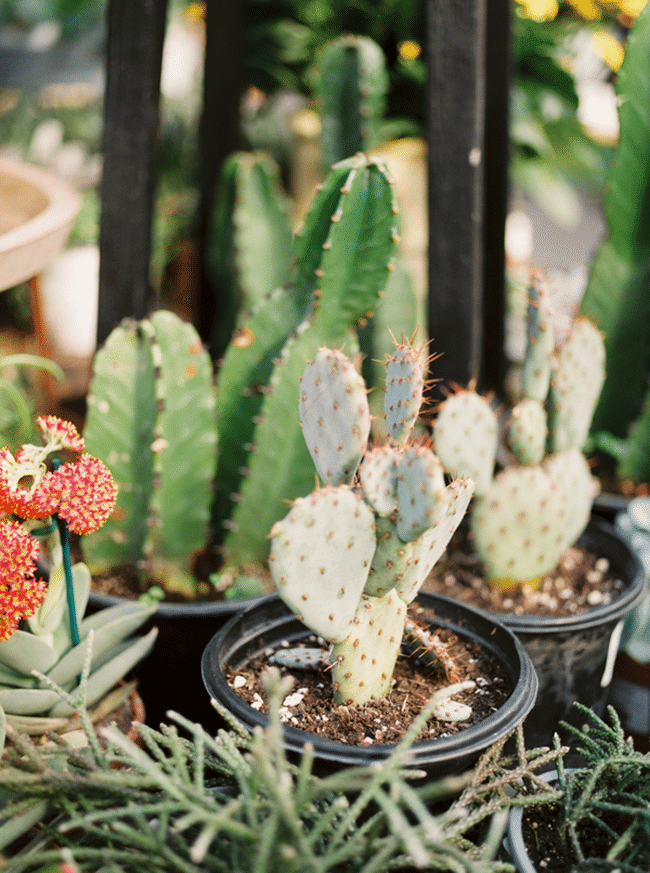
x=45, y=491
x=351, y=556
x=526, y=515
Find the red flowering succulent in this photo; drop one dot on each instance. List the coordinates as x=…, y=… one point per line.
x=75, y=487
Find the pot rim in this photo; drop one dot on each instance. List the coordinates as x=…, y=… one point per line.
x=471, y=740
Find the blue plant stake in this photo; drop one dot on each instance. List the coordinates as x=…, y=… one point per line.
x=67, y=569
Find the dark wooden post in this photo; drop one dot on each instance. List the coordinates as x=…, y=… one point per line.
x=135, y=40
x=459, y=211
x=219, y=131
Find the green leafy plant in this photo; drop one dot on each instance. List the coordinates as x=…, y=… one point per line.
x=351, y=556
x=528, y=513
x=44, y=491
x=16, y=413
x=616, y=297
x=235, y=802
x=601, y=813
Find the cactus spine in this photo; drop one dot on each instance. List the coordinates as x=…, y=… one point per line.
x=349, y=558
x=151, y=419
x=526, y=515
x=343, y=258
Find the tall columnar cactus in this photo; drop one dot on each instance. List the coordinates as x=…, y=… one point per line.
x=350, y=557
x=344, y=255
x=152, y=420
x=527, y=514
x=249, y=247
x=352, y=88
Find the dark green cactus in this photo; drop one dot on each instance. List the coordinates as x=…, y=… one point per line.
x=343, y=258
x=249, y=245
x=151, y=419
x=352, y=88
x=527, y=514
x=350, y=557
x=616, y=297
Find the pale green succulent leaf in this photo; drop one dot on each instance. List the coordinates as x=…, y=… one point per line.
x=24, y=652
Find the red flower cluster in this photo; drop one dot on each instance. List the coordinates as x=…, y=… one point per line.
x=81, y=491
x=20, y=593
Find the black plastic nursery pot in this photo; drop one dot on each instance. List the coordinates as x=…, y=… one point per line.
x=170, y=677
x=574, y=655
x=269, y=623
x=514, y=841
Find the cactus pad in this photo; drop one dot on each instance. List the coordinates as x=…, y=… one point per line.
x=403, y=393
x=466, y=436
x=527, y=432
x=321, y=554
x=540, y=341
x=378, y=478
x=334, y=415
x=420, y=492
x=578, y=376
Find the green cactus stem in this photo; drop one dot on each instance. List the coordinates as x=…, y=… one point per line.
x=151, y=419
x=351, y=92
x=249, y=245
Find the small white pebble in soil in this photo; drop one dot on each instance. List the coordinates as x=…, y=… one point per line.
x=602, y=565
x=367, y=741
x=566, y=593
x=238, y=682
x=481, y=680
x=295, y=698
x=568, y=563
x=507, y=603
x=257, y=702
x=594, y=598
x=594, y=576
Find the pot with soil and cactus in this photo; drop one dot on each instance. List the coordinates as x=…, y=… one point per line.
x=206, y=471
x=531, y=554
x=47, y=491
x=349, y=561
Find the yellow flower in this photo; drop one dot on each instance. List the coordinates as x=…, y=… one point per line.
x=540, y=10
x=409, y=50
x=587, y=8
x=633, y=8
x=609, y=48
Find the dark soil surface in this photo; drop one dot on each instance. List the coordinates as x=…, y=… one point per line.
x=310, y=705
x=581, y=581
x=542, y=832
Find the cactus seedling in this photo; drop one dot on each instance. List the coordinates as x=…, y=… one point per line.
x=527, y=514
x=350, y=557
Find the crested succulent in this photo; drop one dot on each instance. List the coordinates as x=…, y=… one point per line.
x=151, y=420
x=343, y=258
x=44, y=490
x=351, y=556
x=528, y=513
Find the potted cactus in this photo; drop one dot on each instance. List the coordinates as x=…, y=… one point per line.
x=45, y=491
x=526, y=515
x=200, y=469
x=349, y=559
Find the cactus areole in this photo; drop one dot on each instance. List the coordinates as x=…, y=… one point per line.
x=351, y=556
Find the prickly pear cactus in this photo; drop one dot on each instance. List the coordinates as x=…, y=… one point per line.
x=527, y=514
x=352, y=88
x=343, y=258
x=349, y=558
x=152, y=420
